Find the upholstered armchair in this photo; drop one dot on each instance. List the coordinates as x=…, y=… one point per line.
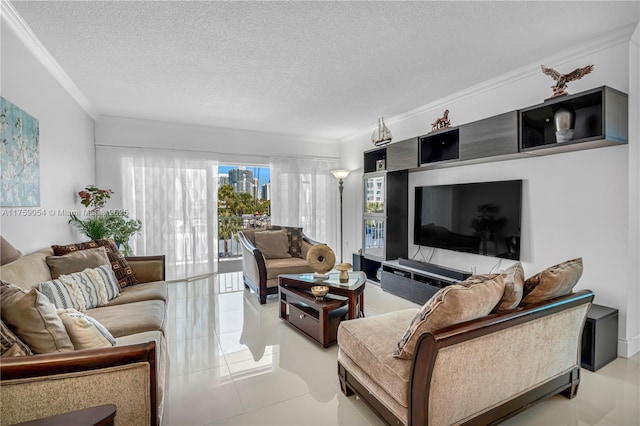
x=267, y=254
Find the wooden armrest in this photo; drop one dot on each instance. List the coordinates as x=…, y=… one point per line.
x=20, y=367
x=147, y=268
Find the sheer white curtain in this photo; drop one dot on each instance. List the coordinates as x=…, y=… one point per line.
x=304, y=193
x=174, y=194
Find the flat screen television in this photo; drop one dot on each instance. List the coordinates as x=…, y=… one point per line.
x=481, y=218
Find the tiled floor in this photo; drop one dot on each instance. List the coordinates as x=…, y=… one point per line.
x=233, y=362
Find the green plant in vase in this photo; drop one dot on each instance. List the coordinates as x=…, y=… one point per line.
x=100, y=225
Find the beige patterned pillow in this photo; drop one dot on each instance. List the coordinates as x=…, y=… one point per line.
x=555, y=281
x=80, y=290
x=473, y=298
x=85, y=332
x=513, y=288
x=273, y=244
x=33, y=319
x=77, y=261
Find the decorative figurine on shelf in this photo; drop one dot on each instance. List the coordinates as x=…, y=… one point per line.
x=382, y=135
x=442, y=122
x=563, y=79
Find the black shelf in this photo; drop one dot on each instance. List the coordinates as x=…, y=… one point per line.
x=373, y=159
x=600, y=120
x=443, y=145
x=368, y=266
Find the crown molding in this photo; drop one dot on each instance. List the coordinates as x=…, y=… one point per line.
x=11, y=17
x=610, y=39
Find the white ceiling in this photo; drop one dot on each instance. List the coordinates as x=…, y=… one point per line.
x=319, y=69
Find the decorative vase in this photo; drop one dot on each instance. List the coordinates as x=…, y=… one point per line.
x=564, y=120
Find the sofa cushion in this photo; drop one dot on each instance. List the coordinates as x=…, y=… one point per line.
x=33, y=319
x=554, y=281
x=371, y=342
x=293, y=265
x=77, y=261
x=157, y=290
x=273, y=244
x=30, y=270
x=119, y=264
x=84, y=331
x=131, y=318
x=10, y=344
x=473, y=298
x=513, y=288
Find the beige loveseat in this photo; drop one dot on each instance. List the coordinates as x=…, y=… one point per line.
x=261, y=266
x=131, y=375
x=474, y=372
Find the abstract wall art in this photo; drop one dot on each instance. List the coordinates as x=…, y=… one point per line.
x=19, y=157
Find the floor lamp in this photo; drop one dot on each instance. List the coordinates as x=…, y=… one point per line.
x=341, y=175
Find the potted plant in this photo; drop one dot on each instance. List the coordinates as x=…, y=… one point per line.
x=110, y=224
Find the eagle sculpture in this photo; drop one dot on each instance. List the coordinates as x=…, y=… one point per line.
x=563, y=79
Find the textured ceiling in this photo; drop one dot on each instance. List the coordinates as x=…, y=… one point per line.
x=318, y=69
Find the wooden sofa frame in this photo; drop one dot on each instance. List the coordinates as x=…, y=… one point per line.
x=429, y=344
x=44, y=366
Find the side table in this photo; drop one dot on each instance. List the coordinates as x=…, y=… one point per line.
x=599, y=338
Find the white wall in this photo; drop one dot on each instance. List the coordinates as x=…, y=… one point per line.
x=228, y=143
x=67, y=159
x=574, y=204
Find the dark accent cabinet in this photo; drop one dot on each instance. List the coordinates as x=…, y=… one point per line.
x=599, y=337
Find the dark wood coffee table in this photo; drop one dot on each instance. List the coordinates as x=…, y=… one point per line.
x=319, y=319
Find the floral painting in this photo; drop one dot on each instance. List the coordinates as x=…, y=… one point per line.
x=19, y=157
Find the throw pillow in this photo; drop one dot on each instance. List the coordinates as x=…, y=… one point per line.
x=85, y=332
x=63, y=294
x=471, y=299
x=110, y=282
x=295, y=239
x=119, y=264
x=273, y=244
x=33, y=319
x=513, y=288
x=555, y=281
x=10, y=344
x=77, y=261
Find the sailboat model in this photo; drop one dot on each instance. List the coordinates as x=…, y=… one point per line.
x=382, y=135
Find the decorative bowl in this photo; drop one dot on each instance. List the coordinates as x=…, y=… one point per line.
x=319, y=291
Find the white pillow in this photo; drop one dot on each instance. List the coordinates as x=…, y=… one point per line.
x=85, y=332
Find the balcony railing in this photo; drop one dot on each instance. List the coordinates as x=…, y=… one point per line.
x=228, y=245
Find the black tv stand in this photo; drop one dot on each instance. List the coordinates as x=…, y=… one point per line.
x=416, y=283
x=435, y=269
